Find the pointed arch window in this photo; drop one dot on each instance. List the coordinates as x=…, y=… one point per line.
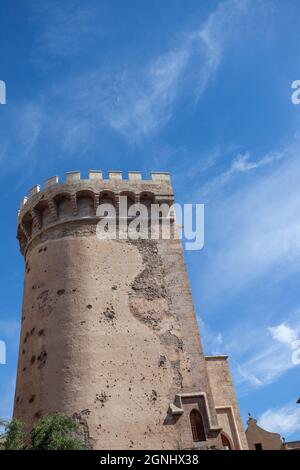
x=226, y=442
x=197, y=426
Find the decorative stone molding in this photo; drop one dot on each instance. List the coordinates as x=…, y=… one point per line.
x=177, y=408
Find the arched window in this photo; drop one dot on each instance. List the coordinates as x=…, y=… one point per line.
x=197, y=426
x=226, y=442
x=64, y=205
x=85, y=203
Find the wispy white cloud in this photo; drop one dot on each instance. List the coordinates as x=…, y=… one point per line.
x=66, y=27
x=284, y=420
x=242, y=163
x=136, y=102
x=265, y=366
x=19, y=136
x=260, y=354
x=213, y=340
x=71, y=115
x=220, y=26
x=248, y=377
x=254, y=229
x=149, y=103
x=271, y=355
x=142, y=110
x=139, y=100
x=284, y=333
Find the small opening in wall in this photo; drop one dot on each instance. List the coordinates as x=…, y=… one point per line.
x=225, y=442
x=31, y=399
x=38, y=414
x=197, y=426
x=258, y=446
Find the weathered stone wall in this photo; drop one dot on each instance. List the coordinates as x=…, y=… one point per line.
x=109, y=333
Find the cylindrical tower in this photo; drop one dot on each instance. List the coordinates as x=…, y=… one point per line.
x=109, y=333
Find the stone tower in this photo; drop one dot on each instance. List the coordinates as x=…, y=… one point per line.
x=109, y=335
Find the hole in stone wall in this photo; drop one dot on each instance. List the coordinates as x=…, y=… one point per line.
x=31, y=399
x=162, y=361
x=26, y=337
x=42, y=357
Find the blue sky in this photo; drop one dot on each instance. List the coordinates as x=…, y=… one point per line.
x=198, y=88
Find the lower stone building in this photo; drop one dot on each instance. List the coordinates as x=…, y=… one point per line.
x=260, y=439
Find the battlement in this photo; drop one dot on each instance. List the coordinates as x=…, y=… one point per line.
x=76, y=198
x=73, y=177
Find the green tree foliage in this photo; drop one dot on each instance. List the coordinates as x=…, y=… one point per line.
x=52, y=432
x=55, y=432
x=13, y=436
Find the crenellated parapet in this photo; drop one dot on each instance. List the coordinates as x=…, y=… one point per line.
x=78, y=198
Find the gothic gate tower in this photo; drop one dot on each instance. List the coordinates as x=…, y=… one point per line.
x=109, y=333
